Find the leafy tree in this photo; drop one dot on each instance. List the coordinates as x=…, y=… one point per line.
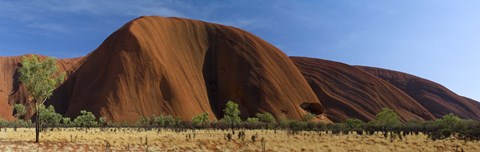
x=143, y=121
x=282, y=121
x=353, y=123
x=449, y=120
x=164, y=121
x=308, y=117
x=66, y=121
x=102, y=121
x=296, y=126
x=253, y=120
x=85, y=119
x=23, y=123
x=48, y=116
x=159, y=121
x=387, y=118
x=201, y=119
x=3, y=124
x=268, y=119
x=232, y=114
x=40, y=78
x=20, y=110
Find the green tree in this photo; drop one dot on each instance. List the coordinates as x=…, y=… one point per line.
x=308, y=117
x=66, y=121
x=449, y=120
x=201, y=119
x=20, y=110
x=387, y=118
x=85, y=119
x=40, y=77
x=48, y=116
x=102, y=121
x=266, y=118
x=144, y=122
x=353, y=123
x=164, y=121
x=159, y=121
x=231, y=114
x=253, y=120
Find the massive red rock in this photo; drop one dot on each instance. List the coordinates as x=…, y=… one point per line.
x=183, y=67
x=12, y=90
x=348, y=92
x=434, y=97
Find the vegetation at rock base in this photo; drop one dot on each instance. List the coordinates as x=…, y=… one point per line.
x=387, y=123
x=201, y=120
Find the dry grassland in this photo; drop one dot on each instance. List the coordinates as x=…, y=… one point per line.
x=210, y=140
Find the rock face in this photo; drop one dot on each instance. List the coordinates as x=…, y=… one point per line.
x=434, y=97
x=12, y=91
x=182, y=67
x=348, y=92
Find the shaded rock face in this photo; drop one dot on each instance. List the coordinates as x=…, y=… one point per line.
x=434, y=97
x=11, y=89
x=182, y=67
x=348, y=92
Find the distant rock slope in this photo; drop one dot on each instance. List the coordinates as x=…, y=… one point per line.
x=434, y=97
x=348, y=92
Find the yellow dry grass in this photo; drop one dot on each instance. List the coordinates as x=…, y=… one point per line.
x=210, y=140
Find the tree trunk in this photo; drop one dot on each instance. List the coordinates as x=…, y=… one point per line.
x=37, y=124
x=231, y=125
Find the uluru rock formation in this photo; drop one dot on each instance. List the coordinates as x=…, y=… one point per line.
x=11, y=89
x=183, y=67
x=348, y=92
x=434, y=97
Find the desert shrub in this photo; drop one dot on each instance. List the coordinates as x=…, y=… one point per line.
x=220, y=124
x=310, y=126
x=266, y=118
x=102, y=121
x=321, y=126
x=308, y=117
x=449, y=121
x=66, y=121
x=252, y=123
x=387, y=118
x=85, y=119
x=159, y=121
x=253, y=120
x=232, y=114
x=201, y=120
x=143, y=121
x=354, y=124
x=4, y=123
x=296, y=126
x=284, y=122
x=48, y=116
x=165, y=121
x=19, y=110
x=22, y=123
x=335, y=129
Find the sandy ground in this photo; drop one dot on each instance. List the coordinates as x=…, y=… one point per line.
x=209, y=140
